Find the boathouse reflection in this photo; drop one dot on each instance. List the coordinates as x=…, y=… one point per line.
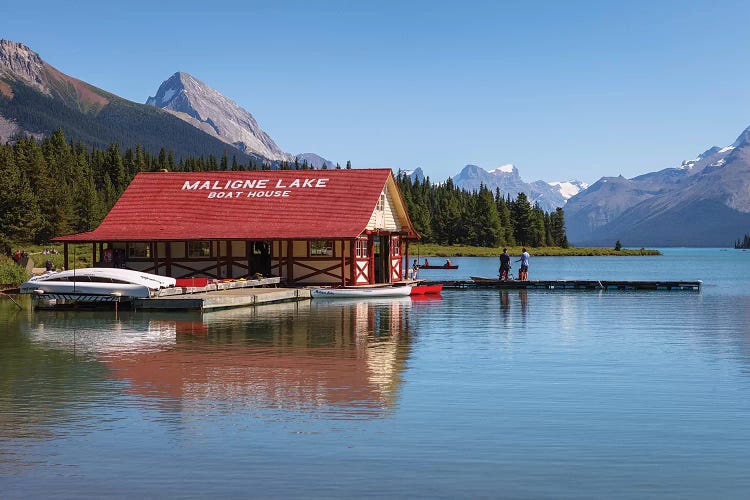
x=317, y=356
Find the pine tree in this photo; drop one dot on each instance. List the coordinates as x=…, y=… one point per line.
x=522, y=220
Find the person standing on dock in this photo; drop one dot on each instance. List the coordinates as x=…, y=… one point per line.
x=504, y=265
x=523, y=273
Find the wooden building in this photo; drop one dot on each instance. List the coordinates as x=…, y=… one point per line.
x=309, y=227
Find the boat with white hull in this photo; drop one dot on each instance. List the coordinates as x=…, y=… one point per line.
x=361, y=292
x=96, y=284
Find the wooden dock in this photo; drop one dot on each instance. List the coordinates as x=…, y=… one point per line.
x=223, y=299
x=570, y=284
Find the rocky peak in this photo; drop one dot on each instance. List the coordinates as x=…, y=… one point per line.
x=209, y=110
x=19, y=62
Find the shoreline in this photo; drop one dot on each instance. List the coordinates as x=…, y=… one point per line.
x=433, y=250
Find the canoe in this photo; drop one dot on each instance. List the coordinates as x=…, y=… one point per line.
x=361, y=292
x=427, y=289
x=444, y=266
x=96, y=284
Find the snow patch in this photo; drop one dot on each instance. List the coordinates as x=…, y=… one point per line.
x=504, y=169
x=728, y=148
x=568, y=189
x=168, y=94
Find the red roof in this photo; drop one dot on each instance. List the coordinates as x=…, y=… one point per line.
x=259, y=205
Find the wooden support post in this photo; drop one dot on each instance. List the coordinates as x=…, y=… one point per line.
x=353, y=260
x=343, y=265
x=168, y=256
x=249, y=256
x=65, y=256
x=407, y=265
x=153, y=245
x=230, y=266
x=289, y=261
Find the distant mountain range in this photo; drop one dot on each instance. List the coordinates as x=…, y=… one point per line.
x=703, y=202
x=37, y=99
x=185, y=116
x=506, y=178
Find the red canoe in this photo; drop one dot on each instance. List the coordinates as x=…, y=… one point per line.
x=426, y=289
x=444, y=266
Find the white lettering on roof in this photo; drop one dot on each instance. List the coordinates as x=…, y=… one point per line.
x=255, y=187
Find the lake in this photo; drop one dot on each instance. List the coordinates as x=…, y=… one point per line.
x=479, y=393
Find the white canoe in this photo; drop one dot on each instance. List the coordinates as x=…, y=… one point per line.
x=96, y=282
x=362, y=292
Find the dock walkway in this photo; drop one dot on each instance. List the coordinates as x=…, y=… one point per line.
x=223, y=299
x=570, y=284
x=223, y=295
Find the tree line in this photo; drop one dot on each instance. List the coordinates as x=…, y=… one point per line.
x=743, y=243
x=448, y=215
x=54, y=187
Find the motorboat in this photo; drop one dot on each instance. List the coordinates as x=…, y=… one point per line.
x=96, y=284
x=361, y=292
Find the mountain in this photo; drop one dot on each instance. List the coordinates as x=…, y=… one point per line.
x=37, y=99
x=415, y=175
x=703, y=202
x=314, y=160
x=195, y=102
x=508, y=180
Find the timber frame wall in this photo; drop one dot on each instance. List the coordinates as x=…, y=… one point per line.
x=348, y=262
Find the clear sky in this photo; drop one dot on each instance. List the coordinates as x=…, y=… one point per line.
x=562, y=89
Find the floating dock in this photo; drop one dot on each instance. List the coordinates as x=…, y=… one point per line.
x=570, y=284
x=223, y=299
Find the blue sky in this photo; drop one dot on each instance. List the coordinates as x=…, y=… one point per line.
x=562, y=89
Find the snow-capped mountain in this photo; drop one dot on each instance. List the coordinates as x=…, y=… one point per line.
x=569, y=189
x=703, y=202
x=207, y=109
x=416, y=175
x=507, y=178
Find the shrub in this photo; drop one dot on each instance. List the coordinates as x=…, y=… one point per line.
x=11, y=273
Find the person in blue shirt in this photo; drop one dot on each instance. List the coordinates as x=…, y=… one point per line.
x=523, y=273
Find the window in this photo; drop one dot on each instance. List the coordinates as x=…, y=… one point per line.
x=321, y=247
x=139, y=250
x=197, y=249
x=361, y=249
x=381, y=202
x=395, y=246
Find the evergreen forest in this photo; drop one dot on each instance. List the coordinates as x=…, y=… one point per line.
x=447, y=215
x=54, y=187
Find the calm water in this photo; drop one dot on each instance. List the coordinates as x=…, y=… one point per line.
x=538, y=394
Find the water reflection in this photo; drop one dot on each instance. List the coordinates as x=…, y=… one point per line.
x=339, y=358
x=521, y=297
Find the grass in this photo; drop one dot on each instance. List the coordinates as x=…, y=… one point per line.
x=430, y=249
x=82, y=254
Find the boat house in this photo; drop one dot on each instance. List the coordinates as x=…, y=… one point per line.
x=309, y=227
